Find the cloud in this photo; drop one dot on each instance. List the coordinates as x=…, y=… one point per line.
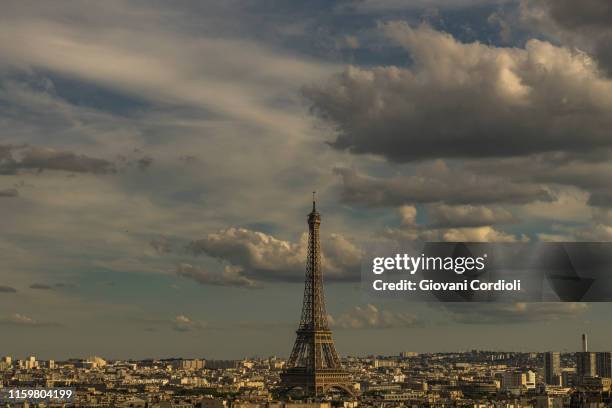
x=408, y=214
x=59, y=285
x=40, y=286
x=15, y=158
x=439, y=230
x=590, y=173
x=171, y=91
x=157, y=64
x=9, y=192
x=373, y=317
x=441, y=215
x=586, y=25
x=594, y=233
x=62, y=285
x=348, y=41
x=258, y=253
x=7, y=289
x=472, y=234
x=394, y=6
x=599, y=231
x=472, y=100
x=436, y=183
x=182, y=323
x=570, y=205
x=262, y=257
x=231, y=276
x=478, y=234
x=17, y=319
x=144, y=162
x=161, y=245
x=500, y=313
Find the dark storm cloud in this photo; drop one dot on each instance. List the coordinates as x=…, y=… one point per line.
x=527, y=121
x=15, y=158
x=7, y=289
x=601, y=198
x=498, y=313
x=586, y=24
x=436, y=183
x=589, y=174
x=467, y=101
x=586, y=13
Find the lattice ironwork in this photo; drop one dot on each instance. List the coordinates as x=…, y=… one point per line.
x=314, y=364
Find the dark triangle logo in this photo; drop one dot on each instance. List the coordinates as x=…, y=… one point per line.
x=562, y=275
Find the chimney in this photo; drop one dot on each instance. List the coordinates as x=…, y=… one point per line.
x=585, y=346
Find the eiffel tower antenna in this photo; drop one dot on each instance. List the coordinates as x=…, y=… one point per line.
x=314, y=365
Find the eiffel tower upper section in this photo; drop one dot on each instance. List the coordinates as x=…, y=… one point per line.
x=314, y=316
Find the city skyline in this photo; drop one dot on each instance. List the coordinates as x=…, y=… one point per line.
x=491, y=379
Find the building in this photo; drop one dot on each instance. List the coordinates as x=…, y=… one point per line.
x=133, y=403
x=95, y=362
x=518, y=379
x=213, y=403
x=530, y=380
x=585, y=365
x=31, y=363
x=190, y=364
x=222, y=364
x=597, y=384
x=552, y=368
x=545, y=401
x=585, y=361
x=6, y=363
x=603, y=364
x=568, y=377
x=384, y=363
x=172, y=404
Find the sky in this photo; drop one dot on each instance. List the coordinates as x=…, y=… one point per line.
x=157, y=161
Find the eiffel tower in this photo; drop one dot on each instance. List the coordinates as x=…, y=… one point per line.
x=314, y=365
